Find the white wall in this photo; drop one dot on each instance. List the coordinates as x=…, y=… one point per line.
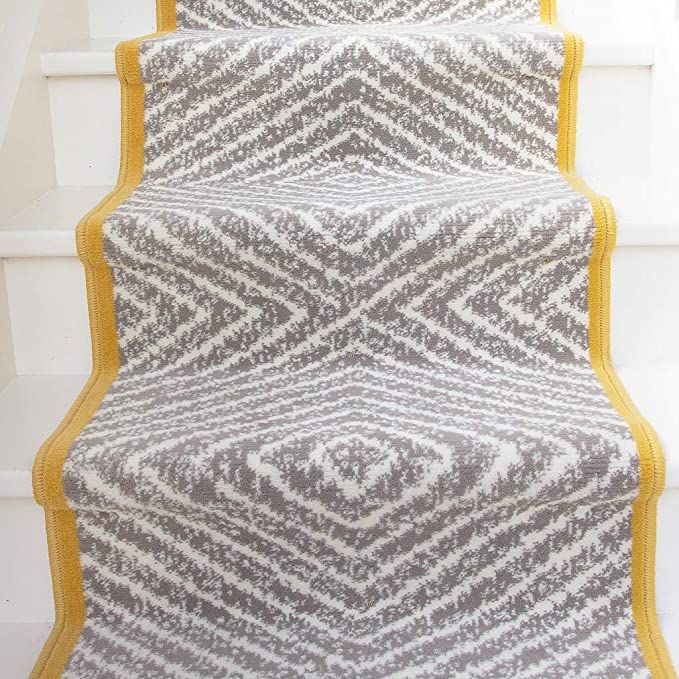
x=18, y=22
x=26, y=154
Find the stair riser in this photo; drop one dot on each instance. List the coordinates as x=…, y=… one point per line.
x=644, y=286
x=25, y=587
x=125, y=17
x=85, y=114
x=50, y=329
x=48, y=315
x=25, y=593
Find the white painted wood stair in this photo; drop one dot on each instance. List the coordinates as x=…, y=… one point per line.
x=623, y=103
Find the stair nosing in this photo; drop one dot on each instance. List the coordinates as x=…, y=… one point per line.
x=15, y=484
x=98, y=60
x=15, y=481
x=30, y=243
x=18, y=484
x=46, y=226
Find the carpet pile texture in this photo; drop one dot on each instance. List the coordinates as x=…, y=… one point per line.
x=352, y=413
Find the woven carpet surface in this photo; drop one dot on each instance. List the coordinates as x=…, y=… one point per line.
x=355, y=429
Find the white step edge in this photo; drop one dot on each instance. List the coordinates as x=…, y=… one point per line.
x=46, y=228
x=15, y=484
x=31, y=406
x=21, y=642
x=96, y=56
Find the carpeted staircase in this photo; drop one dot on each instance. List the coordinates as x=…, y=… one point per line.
x=352, y=412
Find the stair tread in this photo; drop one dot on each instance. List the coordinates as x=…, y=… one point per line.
x=96, y=56
x=46, y=226
x=31, y=406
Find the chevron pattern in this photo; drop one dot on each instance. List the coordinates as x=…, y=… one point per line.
x=218, y=14
x=355, y=431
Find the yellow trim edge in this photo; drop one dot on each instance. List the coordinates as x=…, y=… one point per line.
x=166, y=15
x=651, y=458
x=62, y=534
x=548, y=12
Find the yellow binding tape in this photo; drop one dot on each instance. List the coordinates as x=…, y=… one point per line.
x=62, y=534
x=651, y=459
x=166, y=15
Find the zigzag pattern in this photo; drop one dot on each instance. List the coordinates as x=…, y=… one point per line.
x=216, y=14
x=355, y=431
x=357, y=522
x=408, y=268
x=442, y=100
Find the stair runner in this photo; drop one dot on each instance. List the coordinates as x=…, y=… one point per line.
x=352, y=412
